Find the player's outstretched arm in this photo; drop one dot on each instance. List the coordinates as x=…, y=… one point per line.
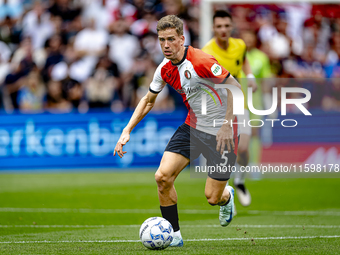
x=142, y=109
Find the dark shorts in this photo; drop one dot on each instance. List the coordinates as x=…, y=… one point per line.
x=191, y=143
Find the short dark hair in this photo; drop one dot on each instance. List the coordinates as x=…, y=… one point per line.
x=222, y=14
x=170, y=21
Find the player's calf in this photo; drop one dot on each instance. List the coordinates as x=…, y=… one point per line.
x=227, y=211
x=217, y=200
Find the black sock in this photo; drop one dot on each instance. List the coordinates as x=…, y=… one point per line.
x=227, y=201
x=170, y=213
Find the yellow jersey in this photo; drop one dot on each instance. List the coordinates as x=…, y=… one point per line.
x=232, y=58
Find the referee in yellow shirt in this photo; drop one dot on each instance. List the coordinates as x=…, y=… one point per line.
x=231, y=54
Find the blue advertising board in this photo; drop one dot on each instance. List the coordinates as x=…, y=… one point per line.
x=75, y=140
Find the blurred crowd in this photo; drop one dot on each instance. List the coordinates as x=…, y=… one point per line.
x=66, y=55
x=302, y=43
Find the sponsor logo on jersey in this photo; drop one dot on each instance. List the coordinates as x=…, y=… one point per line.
x=188, y=90
x=216, y=69
x=187, y=74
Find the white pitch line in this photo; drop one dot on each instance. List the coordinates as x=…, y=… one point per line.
x=261, y=238
x=267, y=226
x=68, y=241
x=187, y=240
x=66, y=226
x=156, y=211
x=122, y=211
x=190, y=226
x=296, y=213
x=286, y=226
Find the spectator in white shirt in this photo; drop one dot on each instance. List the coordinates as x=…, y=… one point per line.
x=123, y=46
x=37, y=24
x=90, y=43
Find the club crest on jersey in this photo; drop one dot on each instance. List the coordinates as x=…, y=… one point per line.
x=187, y=74
x=216, y=69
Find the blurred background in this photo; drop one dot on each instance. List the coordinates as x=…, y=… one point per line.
x=72, y=71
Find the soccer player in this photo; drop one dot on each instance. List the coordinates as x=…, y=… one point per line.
x=231, y=54
x=191, y=73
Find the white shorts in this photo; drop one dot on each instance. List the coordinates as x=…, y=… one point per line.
x=242, y=121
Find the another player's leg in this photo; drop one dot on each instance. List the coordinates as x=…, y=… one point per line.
x=255, y=146
x=171, y=165
x=239, y=180
x=243, y=160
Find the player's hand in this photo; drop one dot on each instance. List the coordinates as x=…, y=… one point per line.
x=124, y=138
x=252, y=84
x=225, y=137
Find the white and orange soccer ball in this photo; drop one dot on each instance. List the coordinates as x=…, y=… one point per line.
x=156, y=233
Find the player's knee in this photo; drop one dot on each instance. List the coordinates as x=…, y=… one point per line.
x=159, y=177
x=163, y=181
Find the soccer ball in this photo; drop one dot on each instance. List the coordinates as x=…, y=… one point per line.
x=156, y=233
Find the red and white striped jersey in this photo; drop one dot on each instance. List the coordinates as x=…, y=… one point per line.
x=196, y=74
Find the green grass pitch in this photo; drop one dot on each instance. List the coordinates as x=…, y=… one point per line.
x=100, y=213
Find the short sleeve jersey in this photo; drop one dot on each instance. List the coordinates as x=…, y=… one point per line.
x=194, y=78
